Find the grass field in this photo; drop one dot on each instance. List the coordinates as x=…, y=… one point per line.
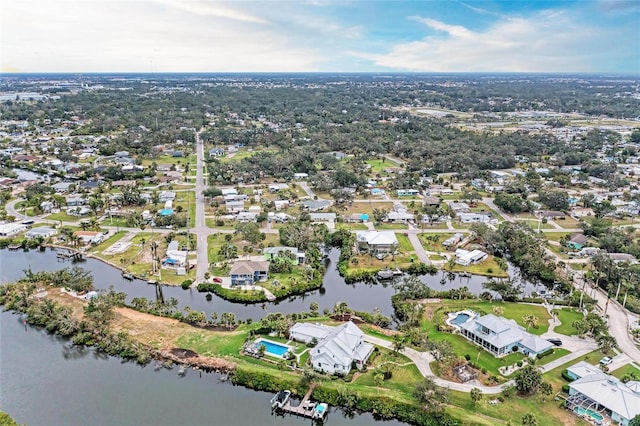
x=567, y=317
x=628, y=369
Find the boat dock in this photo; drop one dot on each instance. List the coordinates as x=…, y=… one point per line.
x=306, y=408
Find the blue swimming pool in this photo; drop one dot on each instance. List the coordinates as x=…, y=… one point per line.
x=460, y=318
x=273, y=348
x=583, y=411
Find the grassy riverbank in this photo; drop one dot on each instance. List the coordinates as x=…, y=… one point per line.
x=129, y=333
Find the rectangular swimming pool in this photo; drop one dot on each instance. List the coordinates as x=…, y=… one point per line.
x=582, y=411
x=273, y=348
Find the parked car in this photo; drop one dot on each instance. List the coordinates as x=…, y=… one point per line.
x=556, y=342
x=217, y=280
x=606, y=360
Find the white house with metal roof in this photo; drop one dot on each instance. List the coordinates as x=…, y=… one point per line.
x=377, y=241
x=598, y=394
x=501, y=336
x=338, y=348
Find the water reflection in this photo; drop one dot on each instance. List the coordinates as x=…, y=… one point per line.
x=359, y=296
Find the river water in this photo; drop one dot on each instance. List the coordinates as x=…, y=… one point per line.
x=359, y=296
x=46, y=381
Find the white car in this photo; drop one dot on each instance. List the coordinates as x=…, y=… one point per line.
x=606, y=360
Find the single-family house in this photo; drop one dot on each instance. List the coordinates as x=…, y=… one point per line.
x=377, y=241
x=399, y=217
x=315, y=205
x=296, y=255
x=281, y=204
x=277, y=187
x=175, y=258
x=11, y=229
x=577, y=241
x=501, y=336
x=453, y=240
x=89, y=237
x=459, y=207
x=322, y=217
x=466, y=257
x=249, y=272
x=477, y=218
x=338, y=348
x=234, y=206
x=76, y=201
x=601, y=393
x=216, y=152
x=42, y=232
x=244, y=217
x=165, y=196
x=431, y=201
x=549, y=214
x=622, y=257
x=407, y=192
x=300, y=176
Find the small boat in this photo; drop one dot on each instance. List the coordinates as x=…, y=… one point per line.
x=320, y=410
x=127, y=276
x=280, y=399
x=14, y=246
x=385, y=274
x=152, y=282
x=182, y=371
x=397, y=272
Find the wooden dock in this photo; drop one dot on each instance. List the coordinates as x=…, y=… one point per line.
x=304, y=409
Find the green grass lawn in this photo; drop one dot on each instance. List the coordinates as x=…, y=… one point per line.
x=433, y=242
x=511, y=310
x=221, y=343
x=405, y=245
x=567, y=317
x=391, y=226
x=556, y=236
x=352, y=226
x=626, y=370
x=557, y=354
x=109, y=242
x=488, y=267
x=63, y=216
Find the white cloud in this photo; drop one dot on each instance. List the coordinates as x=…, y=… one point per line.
x=148, y=35
x=549, y=41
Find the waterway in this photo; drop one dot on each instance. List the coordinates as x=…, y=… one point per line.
x=359, y=296
x=46, y=381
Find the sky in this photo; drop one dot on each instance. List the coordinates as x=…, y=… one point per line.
x=585, y=36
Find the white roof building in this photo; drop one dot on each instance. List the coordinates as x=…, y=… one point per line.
x=337, y=348
x=10, y=229
x=377, y=239
x=607, y=394
x=501, y=336
x=466, y=258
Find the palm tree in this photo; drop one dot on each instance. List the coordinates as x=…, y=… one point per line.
x=530, y=321
x=498, y=310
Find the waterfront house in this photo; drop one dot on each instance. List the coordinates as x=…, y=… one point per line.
x=377, y=241
x=296, y=257
x=42, y=232
x=597, y=392
x=89, y=237
x=466, y=257
x=501, y=336
x=248, y=272
x=338, y=348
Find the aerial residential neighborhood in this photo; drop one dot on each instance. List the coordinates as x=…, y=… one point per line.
x=493, y=273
